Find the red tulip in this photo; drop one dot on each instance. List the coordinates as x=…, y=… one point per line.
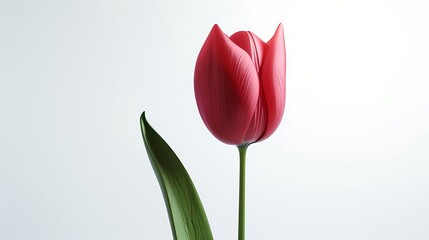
x=240, y=85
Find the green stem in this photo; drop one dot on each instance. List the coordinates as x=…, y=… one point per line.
x=241, y=207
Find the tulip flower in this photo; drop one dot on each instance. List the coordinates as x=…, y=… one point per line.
x=240, y=88
x=240, y=85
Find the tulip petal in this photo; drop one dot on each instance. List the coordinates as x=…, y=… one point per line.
x=259, y=122
x=252, y=44
x=274, y=80
x=226, y=87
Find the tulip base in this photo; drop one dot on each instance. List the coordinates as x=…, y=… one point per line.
x=242, y=192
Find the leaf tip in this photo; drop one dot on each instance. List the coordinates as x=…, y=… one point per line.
x=143, y=123
x=142, y=116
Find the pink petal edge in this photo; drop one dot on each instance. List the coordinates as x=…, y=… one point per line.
x=274, y=80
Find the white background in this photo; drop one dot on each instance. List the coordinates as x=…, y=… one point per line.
x=350, y=159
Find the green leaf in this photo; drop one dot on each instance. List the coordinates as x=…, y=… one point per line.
x=188, y=219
